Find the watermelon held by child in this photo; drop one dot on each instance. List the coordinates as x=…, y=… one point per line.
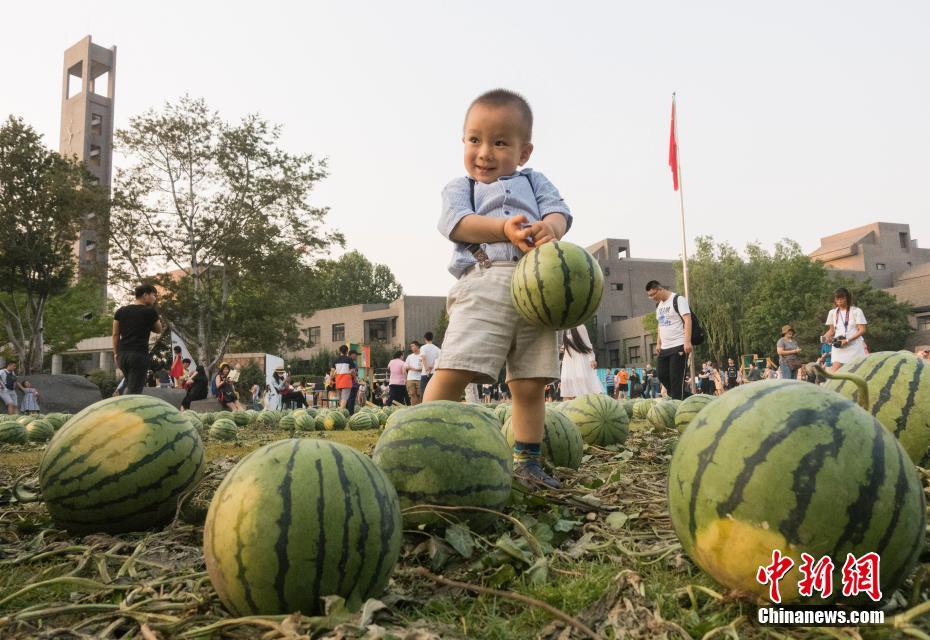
x=120, y=465
x=557, y=285
x=793, y=467
x=448, y=454
x=899, y=397
x=297, y=520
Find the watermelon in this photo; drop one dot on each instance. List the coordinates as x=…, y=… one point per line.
x=241, y=418
x=557, y=285
x=223, y=429
x=191, y=417
x=662, y=414
x=791, y=466
x=690, y=407
x=899, y=397
x=40, y=430
x=304, y=421
x=297, y=520
x=600, y=419
x=266, y=419
x=331, y=420
x=57, y=420
x=628, y=407
x=641, y=408
x=363, y=420
x=207, y=418
x=446, y=453
x=503, y=412
x=120, y=465
x=12, y=432
x=287, y=423
x=562, y=444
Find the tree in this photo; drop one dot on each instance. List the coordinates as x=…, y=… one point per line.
x=222, y=215
x=43, y=200
x=352, y=279
x=75, y=315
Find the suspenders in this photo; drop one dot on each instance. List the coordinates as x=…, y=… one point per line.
x=476, y=250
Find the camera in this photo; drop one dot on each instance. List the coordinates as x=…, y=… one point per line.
x=837, y=342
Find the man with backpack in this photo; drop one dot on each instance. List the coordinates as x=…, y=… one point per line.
x=676, y=336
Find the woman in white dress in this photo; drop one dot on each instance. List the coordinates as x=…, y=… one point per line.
x=846, y=326
x=578, y=365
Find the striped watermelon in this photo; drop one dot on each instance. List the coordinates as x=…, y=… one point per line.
x=690, y=407
x=304, y=421
x=120, y=465
x=899, y=397
x=641, y=408
x=287, y=423
x=191, y=417
x=628, y=407
x=241, y=418
x=791, y=466
x=562, y=444
x=331, y=420
x=223, y=429
x=297, y=520
x=207, y=418
x=446, y=453
x=557, y=285
x=363, y=420
x=662, y=414
x=266, y=419
x=57, y=420
x=40, y=430
x=600, y=419
x=503, y=412
x=12, y=432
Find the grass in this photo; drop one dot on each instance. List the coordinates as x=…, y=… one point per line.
x=609, y=561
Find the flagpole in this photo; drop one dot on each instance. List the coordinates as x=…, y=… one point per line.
x=681, y=200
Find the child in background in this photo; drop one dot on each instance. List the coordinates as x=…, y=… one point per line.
x=30, y=398
x=177, y=368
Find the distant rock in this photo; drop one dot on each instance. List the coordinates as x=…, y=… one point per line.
x=171, y=396
x=206, y=406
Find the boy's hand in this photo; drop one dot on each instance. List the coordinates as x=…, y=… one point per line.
x=543, y=232
x=517, y=233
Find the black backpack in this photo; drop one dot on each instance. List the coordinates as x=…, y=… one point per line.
x=697, y=331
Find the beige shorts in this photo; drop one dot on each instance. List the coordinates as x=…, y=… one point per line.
x=485, y=331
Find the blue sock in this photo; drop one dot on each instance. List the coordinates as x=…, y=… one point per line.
x=526, y=451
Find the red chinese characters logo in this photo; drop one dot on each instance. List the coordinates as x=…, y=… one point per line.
x=859, y=575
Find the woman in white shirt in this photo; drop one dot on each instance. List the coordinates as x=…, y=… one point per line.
x=846, y=325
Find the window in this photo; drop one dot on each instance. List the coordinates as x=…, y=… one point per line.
x=614, y=357
x=101, y=85
x=879, y=266
x=617, y=318
x=313, y=336
x=393, y=327
x=633, y=354
x=923, y=323
x=902, y=237
x=616, y=286
x=75, y=79
x=652, y=347
x=623, y=252
x=339, y=333
x=94, y=157
x=96, y=124
x=606, y=271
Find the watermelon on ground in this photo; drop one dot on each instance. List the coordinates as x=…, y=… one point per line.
x=661, y=415
x=446, y=453
x=120, y=465
x=899, y=397
x=363, y=420
x=690, y=407
x=562, y=444
x=223, y=429
x=791, y=466
x=12, y=432
x=40, y=430
x=641, y=408
x=557, y=285
x=287, y=423
x=298, y=520
x=600, y=419
x=304, y=421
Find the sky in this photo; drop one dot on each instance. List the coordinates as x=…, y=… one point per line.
x=796, y=119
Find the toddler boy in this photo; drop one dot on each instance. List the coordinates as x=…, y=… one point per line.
x=494, y=215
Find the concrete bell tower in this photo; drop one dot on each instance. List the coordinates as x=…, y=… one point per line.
x=87, y=98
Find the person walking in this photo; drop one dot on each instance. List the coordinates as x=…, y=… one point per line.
x=847, y=325
x=609, y=382
x=622, y=378
x=788, y=359
x=132, y=325
x=578, y=365
x=397, y=380
x=8, y=387
x=673, y=345
x=414, y=366
x=429, y=353
x=353, y=396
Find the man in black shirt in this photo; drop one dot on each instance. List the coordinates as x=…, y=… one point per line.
x=132, y=325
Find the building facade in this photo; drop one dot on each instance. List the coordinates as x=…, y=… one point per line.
x=879, y=251
x=395, y=323
x=618, y=316
x=87, y=99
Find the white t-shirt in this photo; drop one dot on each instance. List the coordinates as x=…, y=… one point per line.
x=414, y=362
x=671, y=326
x=844, y=324
x=429, y=354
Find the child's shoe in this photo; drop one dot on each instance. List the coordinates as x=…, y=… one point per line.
x=532, y=476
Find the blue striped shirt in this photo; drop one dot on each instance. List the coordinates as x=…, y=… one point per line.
x=528, y=192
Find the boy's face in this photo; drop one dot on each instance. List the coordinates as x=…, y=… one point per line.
x=495, y=142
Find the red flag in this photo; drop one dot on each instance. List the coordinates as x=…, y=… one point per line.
x=673, y=149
